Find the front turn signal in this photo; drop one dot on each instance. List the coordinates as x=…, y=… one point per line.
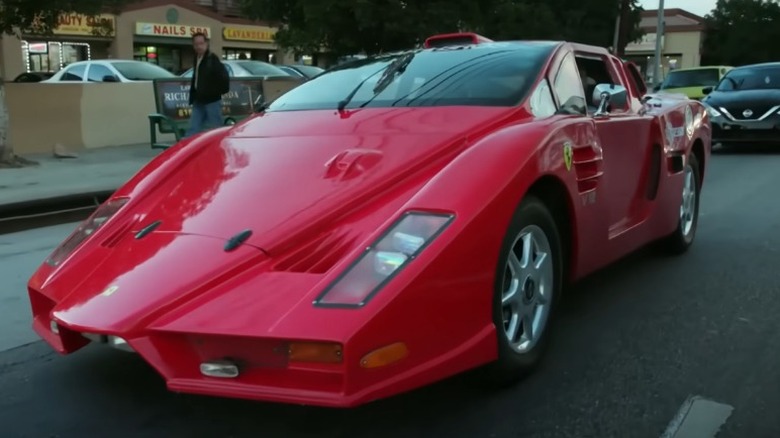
x=384, y=356
x=319, y=352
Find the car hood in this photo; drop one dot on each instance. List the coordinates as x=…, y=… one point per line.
x=284, y=174
x=696, y=92
x=113, y=288
x=744, y=99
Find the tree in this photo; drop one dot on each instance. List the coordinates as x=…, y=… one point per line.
x=347, y=27
x=740, y=32
x=40, y=17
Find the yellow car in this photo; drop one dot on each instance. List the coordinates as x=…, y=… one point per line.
x=691, y=81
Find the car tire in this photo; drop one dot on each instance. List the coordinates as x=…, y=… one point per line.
x=534, y=288
x=682, y=238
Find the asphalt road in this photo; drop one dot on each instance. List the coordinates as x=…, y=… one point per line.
x=632, y=344
x=20, y=255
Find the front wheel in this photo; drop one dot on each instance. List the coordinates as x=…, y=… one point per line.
x=527, y=289
x=682, y=238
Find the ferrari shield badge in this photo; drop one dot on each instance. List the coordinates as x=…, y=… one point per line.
x=567, y=155
x=110, y=291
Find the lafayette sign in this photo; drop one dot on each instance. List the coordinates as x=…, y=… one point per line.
x=170, y=30
x=259, y=34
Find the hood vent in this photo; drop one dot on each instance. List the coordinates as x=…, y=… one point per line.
x=318, y=256
x=119, y=233
x=351, y=163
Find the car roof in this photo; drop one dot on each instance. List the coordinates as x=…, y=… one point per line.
x=487, y=46
x=100, y=61
x=760, y=65
x=701, y=67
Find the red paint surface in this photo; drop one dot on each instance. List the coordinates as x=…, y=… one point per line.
x=316, y=188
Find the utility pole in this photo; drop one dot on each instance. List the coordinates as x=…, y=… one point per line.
x=616, y=38
x=659, y=36
x=623, y=28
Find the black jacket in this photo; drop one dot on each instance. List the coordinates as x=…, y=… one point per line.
x=213, y=80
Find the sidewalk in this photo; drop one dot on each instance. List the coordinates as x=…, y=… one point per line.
x=95, y=171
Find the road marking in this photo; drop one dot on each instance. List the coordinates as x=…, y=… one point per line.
x=698, y=418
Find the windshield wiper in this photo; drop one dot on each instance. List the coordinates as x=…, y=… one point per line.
x=343, y=104
x=395, y=68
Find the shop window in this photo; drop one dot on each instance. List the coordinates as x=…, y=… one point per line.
x=231, y=54
x=169, y=58
x=74, y=52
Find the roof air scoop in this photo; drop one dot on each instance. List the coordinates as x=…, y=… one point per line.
x=351, y=163
x=455, y=39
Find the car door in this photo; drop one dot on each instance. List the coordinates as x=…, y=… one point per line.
x=624, y=137
x=575, y=131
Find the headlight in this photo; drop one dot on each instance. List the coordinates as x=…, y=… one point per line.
x=381, y=261
x=712, y=111
x=86, y=229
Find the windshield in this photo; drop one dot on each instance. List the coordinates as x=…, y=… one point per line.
x=705, y=77
x=442, y=77
x=751, y=78
x=141, y=71
x=259, y=68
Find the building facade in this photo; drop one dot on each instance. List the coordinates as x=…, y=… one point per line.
x=681, y=43
x=155, y=31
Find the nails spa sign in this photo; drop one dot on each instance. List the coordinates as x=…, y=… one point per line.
x=170, y=30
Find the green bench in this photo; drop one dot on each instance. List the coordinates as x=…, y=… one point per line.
x=162, y=124
x=171, y=97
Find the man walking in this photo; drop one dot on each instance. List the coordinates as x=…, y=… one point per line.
x=210, y=81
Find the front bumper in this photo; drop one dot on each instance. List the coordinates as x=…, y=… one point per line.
x=729, y=131
x=266, y=373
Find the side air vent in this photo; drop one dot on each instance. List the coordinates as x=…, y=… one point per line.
x=587, y=163
x=318, y=256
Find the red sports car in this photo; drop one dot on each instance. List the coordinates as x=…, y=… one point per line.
x=394, y=221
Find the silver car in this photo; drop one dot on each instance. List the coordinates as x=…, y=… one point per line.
x=244, y=68
x=113, y=70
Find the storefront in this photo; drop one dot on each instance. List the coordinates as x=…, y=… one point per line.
x=166, y=45
x=162, y=34
x=249, y=42
x=156, y=31
x=76, y=38
x=680, y=44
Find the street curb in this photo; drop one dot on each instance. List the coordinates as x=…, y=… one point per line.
x=54, y=203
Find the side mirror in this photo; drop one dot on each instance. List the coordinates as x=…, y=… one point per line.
x=707, y=90
x=110, y=78
x=607, y=96
x=657, y=88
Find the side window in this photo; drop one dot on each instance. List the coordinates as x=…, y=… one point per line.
x=97, y=72
x=595, y=70
x=542, y=103
x=75, y=73
x=568, y=87
x=229, y=69
x=636, y=78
